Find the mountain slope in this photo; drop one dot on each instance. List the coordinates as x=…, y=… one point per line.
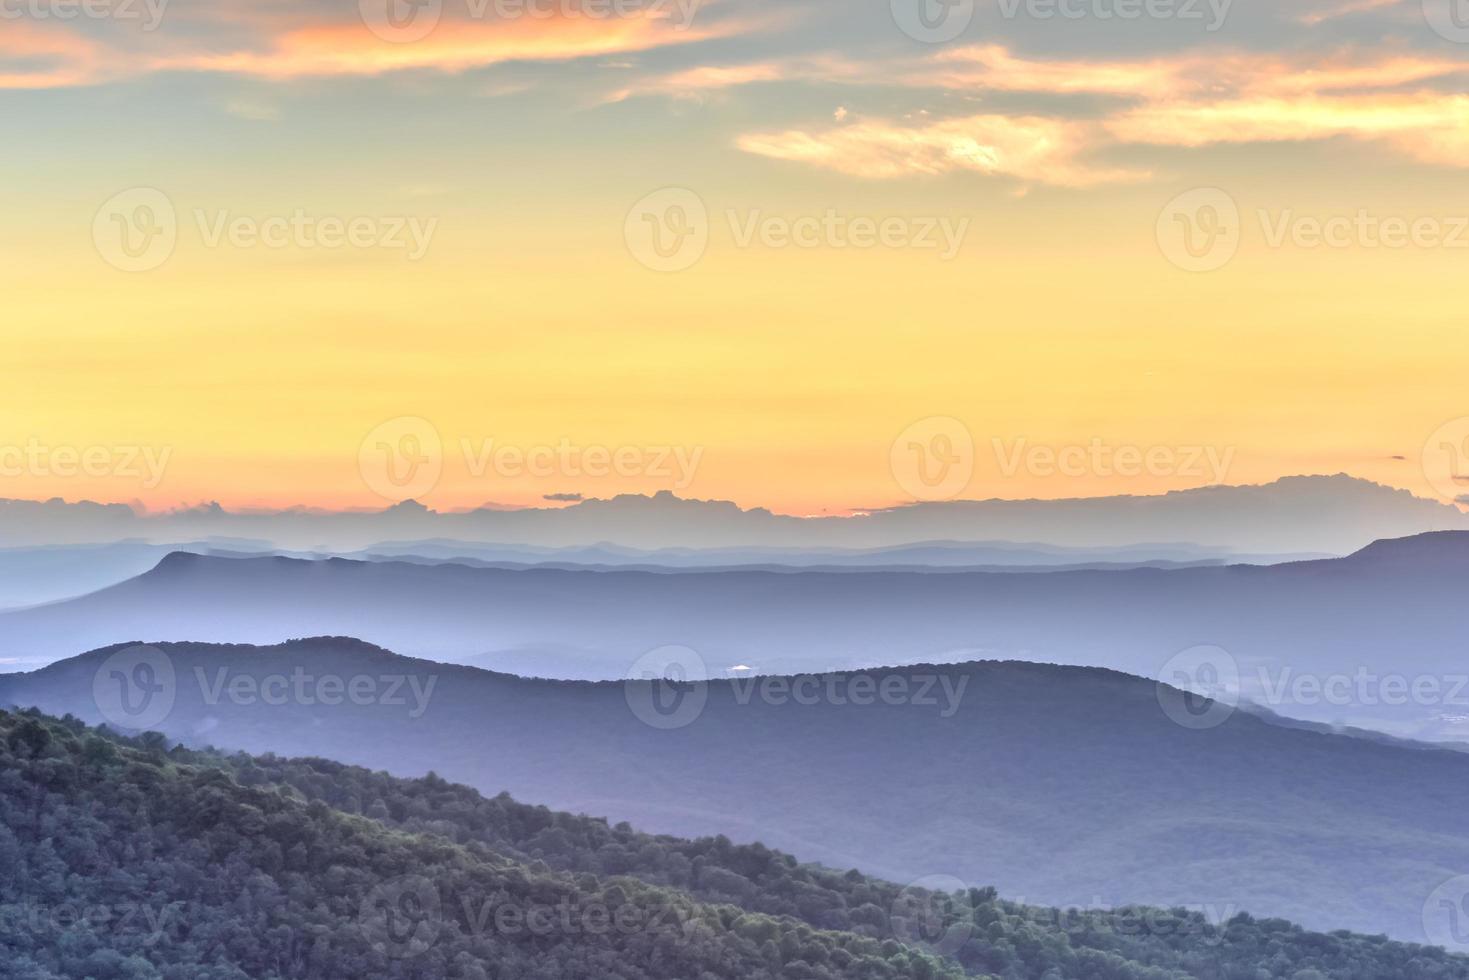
x=1389, y=610
x=1057, y=785
x=238, y=861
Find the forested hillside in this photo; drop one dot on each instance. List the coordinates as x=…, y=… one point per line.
x=127, y=859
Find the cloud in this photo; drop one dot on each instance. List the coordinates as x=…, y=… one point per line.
x=349, y=49
x=564, y=498
x=1185, y=100
x=1030, y=148
x=272, y=43
x=34, y=57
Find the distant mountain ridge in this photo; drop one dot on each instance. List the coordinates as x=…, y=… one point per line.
x=1058, y=785
x=1317, y=514
x=1391, y=609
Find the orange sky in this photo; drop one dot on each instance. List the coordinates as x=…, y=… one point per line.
x=238, y=247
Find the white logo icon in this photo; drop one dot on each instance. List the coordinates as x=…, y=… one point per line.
x=401, y=21
x=401, y=918
x=1448, y=18
x=933, y=459
x=135, y=688
x=934, y=914
x=933, y=21
x=668, y=231
x=1446, y=915
x=1198, y=688
x=1199, y=231
x=667, y=688
x=136, y=230
x=402, y=459
x=1446, y=461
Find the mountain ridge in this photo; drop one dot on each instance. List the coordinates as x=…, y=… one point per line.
x=1060, y=786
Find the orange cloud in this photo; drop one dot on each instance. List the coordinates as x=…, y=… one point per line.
x=1430, y=126
x=64, y=57
x=350, y=49
x=1188, y=100
x=1031, y=148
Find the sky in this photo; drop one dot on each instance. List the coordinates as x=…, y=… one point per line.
x=812, y=255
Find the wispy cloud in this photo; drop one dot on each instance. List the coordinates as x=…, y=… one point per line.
x=266, y=43
x=1189, y=100
x=1030, y=148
